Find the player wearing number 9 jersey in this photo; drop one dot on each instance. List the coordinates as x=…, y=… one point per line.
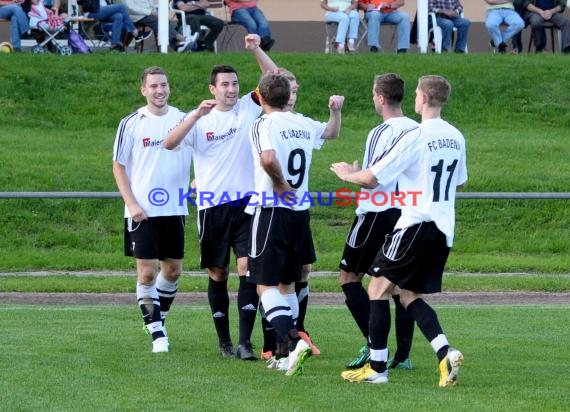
x=431, y=160
x=282, y=144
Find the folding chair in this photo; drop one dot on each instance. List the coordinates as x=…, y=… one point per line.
x=221, y=12
x=548, y=26
x=435, y=30
x=185, y=28
x=363, y=30
x=330, y=30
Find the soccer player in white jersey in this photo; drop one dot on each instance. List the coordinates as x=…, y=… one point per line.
x=376, y=216
x=328, y=130
x=149, y=179
x=218, y=131
x=429, y=163
x=282, y=143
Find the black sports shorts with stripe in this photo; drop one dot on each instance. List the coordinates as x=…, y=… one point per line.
x=366, y=236
x=413, y=258
x=222, y=228
x=158, y=237
x=279, y=243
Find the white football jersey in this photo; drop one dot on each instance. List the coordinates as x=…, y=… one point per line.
x=428, y=162
x=223, y=164
x=156, y=175
x=293, y=137
x=379, y=140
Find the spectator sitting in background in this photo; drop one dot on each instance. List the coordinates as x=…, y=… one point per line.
x=502, y=12
x=344, y=13
x=118, y=16
x=196, y=16
x=146, y=12
x=246, y=13
x=386, y=11
x=448, y=15
x=12, y=10
x=541, y=11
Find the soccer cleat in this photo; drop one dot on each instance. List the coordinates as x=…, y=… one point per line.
x=314, y=350
x=281, y=364
x=449, y=368
x=405, y=365
x=266, y=355
x=160, y=345
x=297, y=358
x=227, y=350
x=365, y=374
x=245, y=352
x=362, y=359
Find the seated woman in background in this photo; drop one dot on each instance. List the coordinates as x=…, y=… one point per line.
x=345, y=14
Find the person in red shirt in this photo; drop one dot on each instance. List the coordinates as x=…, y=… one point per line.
x=377, y=12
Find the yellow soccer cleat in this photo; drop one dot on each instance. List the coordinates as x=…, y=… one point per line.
x=365, y=374
x=449, y=368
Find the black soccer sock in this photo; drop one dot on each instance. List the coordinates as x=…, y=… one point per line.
x=358, y=304
x=269, y=336
x=427, y=321
x=379, y=328
x=404, y=331
x=166, y=293
x=247, y=309
x=147, y=298
x=278, y=312
x=302, y=292
x=219, y=304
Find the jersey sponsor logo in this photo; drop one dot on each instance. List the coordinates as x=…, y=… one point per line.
x=149, y=142
x=212, y=137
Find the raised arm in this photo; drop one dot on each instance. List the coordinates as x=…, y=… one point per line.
x=176, y=135
x=252, y=42
x=333, y=125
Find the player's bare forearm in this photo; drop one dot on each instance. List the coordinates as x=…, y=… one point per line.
x=252, y=43
x=126, y=192
x=332, y=129
x=176, y=135
x=272, y=167
x=353, y=174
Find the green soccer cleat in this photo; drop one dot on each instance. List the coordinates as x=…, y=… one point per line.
x=362, y=359
x=449, y=368
x=405, y=365
x=297, y=358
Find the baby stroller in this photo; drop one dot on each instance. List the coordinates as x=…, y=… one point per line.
x=50, y=25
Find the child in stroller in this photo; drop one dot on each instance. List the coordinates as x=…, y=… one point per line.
x=50, y=26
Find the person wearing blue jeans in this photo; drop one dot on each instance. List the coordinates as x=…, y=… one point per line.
x=18, y=22
x=448, y=15
x=115, y=14
x=386, y=11
x=252, y=18
x=497, y=15
x=344, y=13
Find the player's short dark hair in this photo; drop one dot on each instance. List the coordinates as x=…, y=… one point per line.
x=391, y=87
x=436, y=88
x=275, y=90
x=221, y=68
x=151, y=70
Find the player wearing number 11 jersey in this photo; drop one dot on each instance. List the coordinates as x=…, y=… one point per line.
x=430, y=159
